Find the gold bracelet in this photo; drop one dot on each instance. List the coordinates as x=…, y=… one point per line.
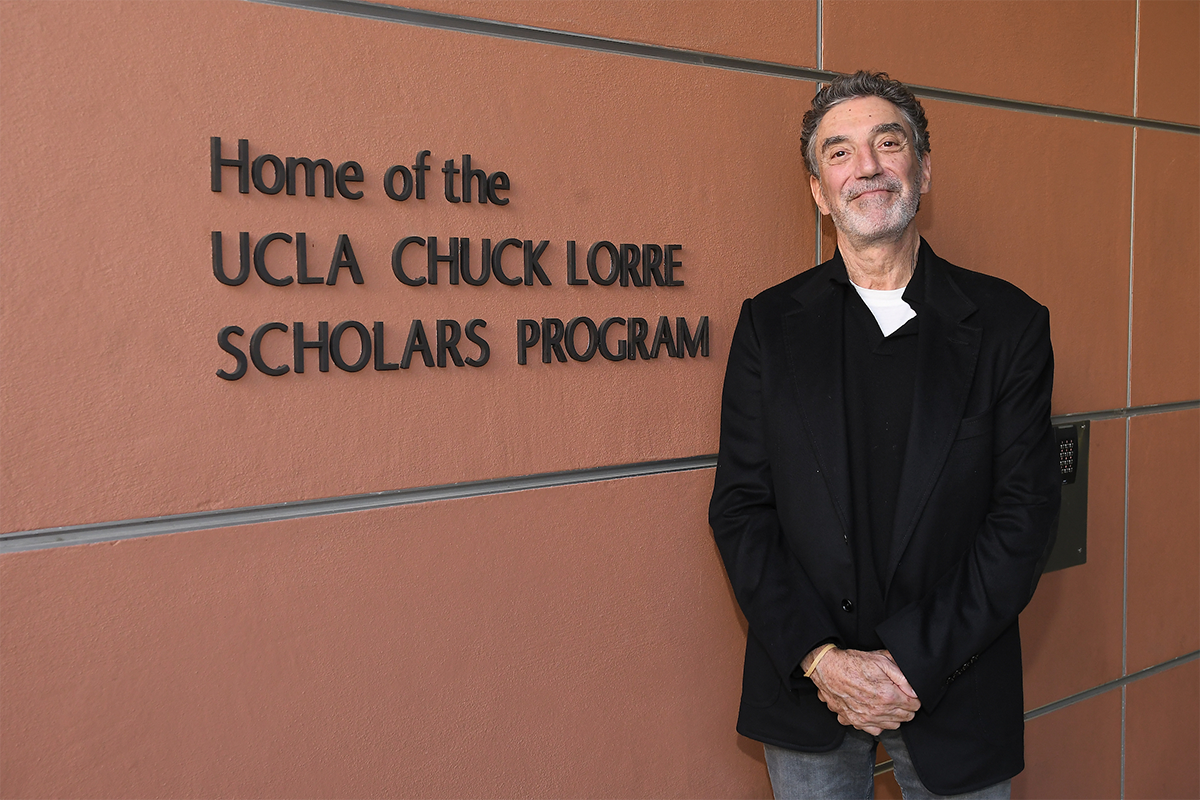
x=808, y=672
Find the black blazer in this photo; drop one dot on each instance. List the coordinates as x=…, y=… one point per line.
x=979, y=492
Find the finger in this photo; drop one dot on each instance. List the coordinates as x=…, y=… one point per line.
x=896, y=676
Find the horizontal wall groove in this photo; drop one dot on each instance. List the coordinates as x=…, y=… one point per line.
x=224, y=518
x=1096, y=691
x=1123, y=413
x=511, y=30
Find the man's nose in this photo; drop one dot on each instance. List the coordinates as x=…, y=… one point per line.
x=866, y=163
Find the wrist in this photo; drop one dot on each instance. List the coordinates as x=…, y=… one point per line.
x=813, y=660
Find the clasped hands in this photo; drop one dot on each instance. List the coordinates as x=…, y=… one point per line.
x=865, y=689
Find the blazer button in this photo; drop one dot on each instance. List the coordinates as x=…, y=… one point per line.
x=847, y=606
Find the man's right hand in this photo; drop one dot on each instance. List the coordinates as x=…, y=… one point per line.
x=865, y=689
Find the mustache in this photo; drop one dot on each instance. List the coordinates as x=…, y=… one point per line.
x=882, y=183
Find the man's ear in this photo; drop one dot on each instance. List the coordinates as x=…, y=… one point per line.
x=926, y=181
x=814, y=183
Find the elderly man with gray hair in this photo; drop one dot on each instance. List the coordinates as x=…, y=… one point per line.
x=887, y=482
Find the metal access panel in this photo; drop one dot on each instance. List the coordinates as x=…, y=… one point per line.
x=1070, y=545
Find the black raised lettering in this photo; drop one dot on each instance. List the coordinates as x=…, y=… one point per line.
x=302, y=275
x=229, y=347
x=469, y=175
x=485, y=262
x=552, y=336
x=685, y=340
x=485, y=351
x=571, y=279
x=631, y=255
x=637, y=332
x=449, y=170
x=260, y=260
x=670, y=265
x=528, y=333
x=256, y=173
x=242, y=162
x=498, y=182
x=320, y=344
x=419, y=169
x=335, y=345
x=218, y=260
x=349, y=172
x=497, y=268
x=310, y=175
x=448, y=334
x=614, y=263
x=652, y=259
x=593, y=340
x=343, y=258
x=532, y=267
x=389, y=182
x=417, y=343
x=663, y=338
x=398, y=268
x=380, y=364
x=256, y=350
x=604, y=351
x=433, y=257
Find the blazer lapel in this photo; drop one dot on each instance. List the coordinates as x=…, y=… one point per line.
x=948, y=349
x=814, y=342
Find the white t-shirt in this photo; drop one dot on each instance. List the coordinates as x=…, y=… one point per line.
x=888, y=306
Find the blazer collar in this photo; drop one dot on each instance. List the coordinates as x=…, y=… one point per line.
x=931, y=285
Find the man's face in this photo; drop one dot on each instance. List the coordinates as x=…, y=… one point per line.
x=870, y=180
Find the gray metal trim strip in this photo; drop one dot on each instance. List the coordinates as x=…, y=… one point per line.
x=223, y=518
x=1108, y=687
x=509, y=30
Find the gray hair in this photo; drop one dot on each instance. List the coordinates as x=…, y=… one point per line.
x=863, y=84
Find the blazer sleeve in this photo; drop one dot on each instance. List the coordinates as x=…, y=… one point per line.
x=940, y=635
x=784, y=610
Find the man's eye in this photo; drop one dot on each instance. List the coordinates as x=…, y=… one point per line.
x=837, y=154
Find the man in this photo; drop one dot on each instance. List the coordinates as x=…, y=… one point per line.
x=887, y=482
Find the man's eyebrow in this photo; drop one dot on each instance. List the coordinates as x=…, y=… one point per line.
x=889, y=127
x=832, y=140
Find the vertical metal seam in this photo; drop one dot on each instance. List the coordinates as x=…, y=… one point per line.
x=1137, y=51
x=821, y=35
x=1137, y=46
x=1123, y=694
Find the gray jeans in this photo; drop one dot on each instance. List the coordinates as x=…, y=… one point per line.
x=848, y=773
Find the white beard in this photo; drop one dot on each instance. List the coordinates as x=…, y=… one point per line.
x=878, y=219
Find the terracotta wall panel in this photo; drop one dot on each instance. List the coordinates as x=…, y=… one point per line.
x=1169, y=60
x=560, y=643
x=783, y=31
x=111, y=406
x=1068, y=53
x=1162, y=719
x=1075, y=616
x=1074, y=752
x=1164, y=550
x=1166, y=269
x=1003, y=204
